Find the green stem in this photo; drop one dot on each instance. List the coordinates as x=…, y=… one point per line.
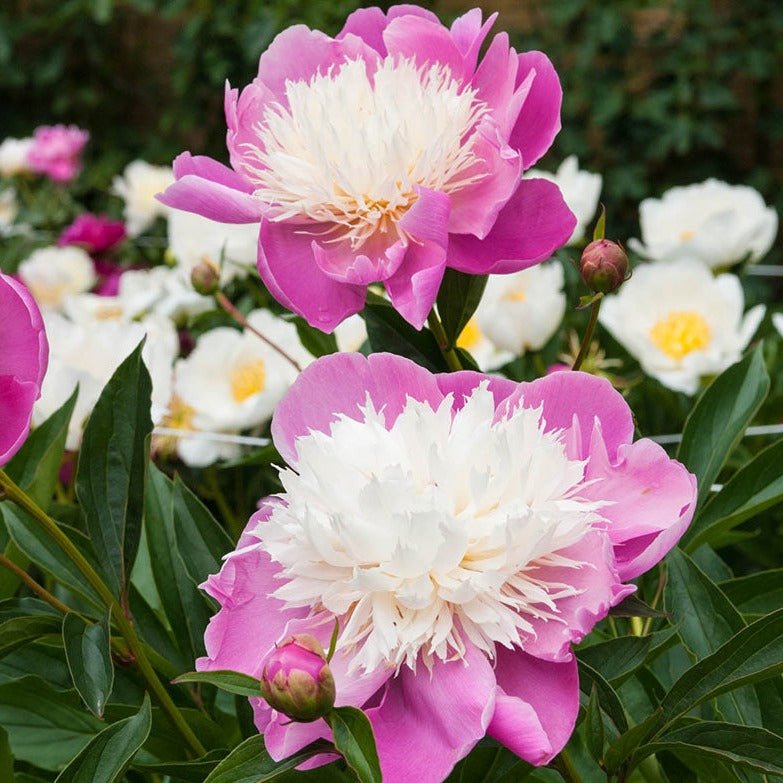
x=566, y=768
x=588, y=337
x=39, y=590
x=449, y=354
x=24, y=501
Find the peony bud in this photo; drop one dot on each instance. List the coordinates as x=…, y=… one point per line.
x=297, y=681
x=205, y=278
x=604, y=266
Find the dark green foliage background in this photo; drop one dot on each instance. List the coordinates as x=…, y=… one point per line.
x=656, y=93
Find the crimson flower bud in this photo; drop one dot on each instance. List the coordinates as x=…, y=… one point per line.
x=297, y=681
x=604, y=266
x=205, y=277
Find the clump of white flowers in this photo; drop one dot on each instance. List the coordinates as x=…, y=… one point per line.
x=138, y=186
x=712, y=222
x=53, y=273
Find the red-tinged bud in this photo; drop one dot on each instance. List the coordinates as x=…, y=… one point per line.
x=604, y=266
x=297, y=681
x=205, y=278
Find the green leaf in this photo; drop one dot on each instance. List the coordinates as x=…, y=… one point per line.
x=183, y=603
x=759, y=593
x=112, y=466
x=387, y=330
x=627, y=742
x=314, y=340
x=109, y=754
x=490, y=763
x=201, y=541
x=749, y=747
x=594, y=726
x=250, y=762
x=191, y=771
x=233, y=682
x=632, y=606
x=36, y=467
x=705, y=620
x=21, y=630
x=608, y=698
x=752, y=655
x=31, y=539
x=354, y=739
x=88, y=653
x=6, y=757
x=719, y=418
x=757, y=486
x=46, y=728
x=617, y=658
x=458, y=298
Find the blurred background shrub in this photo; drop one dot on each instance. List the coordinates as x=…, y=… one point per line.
x=656, y=93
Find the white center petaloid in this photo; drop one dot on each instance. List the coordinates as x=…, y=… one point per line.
x=351, y=147
x=430, y=534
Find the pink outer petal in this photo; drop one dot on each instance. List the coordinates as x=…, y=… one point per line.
x=461, y=384
x=212, y=200
x=536, y=706
x=299, y=53
x=475, y=208
x=377, y=261
x=577, y=396
x=339, y=384
x=24, y=349
x=287, y=265
x=414, y=286
x=495, y=83
x=539, y=120
x=424, y=40
x=428, y=721
x=533, y=224
x=369, y=23
x=653, y=501
x=468, y=34
x=283, y=737
x=207, y=168
x=16, y=407
x=600, y=589
x=250, y=621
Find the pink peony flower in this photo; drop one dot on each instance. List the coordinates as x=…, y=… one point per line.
x=95, y=233
x=56, y=151
x=385, y=155
x=24, y=354
x=465, y=531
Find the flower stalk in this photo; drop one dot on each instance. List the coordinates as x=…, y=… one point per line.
x=449, y=354
x=588, y=335
x=135, y=647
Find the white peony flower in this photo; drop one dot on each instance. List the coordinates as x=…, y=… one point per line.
x=88, y=353
x=680, y=322
x=193, y=239
x=138, y=186
x=518, y=312
x=351, y=334
x=13, y=156
x=53, y=273
x=232, y=381
x=580, y=189
x=777, y=322
x=714, y=222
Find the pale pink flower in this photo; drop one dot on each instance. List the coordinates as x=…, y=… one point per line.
x=385, y=155
x=56, y=151
x=464, y=531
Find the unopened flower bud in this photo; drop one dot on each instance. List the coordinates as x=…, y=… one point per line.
x=604, y=266
x=205, y=277
x=297, y=681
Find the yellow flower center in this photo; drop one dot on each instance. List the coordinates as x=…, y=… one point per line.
x=681, y=333
x=686, y=236
x=247, y=380
x=108, y=313
x=470, y=336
